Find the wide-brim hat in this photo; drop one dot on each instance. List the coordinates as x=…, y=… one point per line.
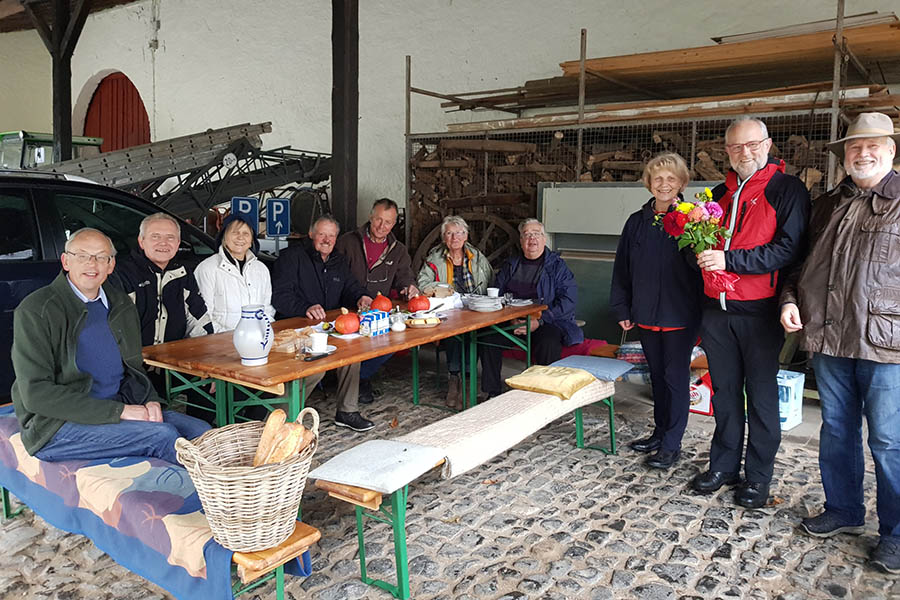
x=866, y=125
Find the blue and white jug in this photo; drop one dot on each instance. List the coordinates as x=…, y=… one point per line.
x=253, y=335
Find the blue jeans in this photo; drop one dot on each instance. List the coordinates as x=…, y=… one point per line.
x=849, y=388
x=75, y=441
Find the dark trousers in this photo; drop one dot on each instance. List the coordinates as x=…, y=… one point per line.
x=546, y=348
x=668, y=355
x=743, y=355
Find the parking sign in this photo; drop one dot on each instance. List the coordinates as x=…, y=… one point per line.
x=249, y=207
x=278, y=217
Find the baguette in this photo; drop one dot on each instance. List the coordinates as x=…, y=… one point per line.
x=269, y=436
x=289, y=439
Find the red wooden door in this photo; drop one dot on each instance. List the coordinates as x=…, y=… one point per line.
x=117, y=114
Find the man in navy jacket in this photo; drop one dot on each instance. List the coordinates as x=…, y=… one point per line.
x=538, y=274
x=309, y=279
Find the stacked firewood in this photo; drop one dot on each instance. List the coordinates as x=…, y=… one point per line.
x=500, y=177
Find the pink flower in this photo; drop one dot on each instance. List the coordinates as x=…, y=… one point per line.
x=714, y=210
x=698, y=213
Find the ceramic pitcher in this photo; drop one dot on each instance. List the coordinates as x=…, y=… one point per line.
x=253, y=335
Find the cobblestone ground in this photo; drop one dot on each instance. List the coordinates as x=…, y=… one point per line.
x=544, y=520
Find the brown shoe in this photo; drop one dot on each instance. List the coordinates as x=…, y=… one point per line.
x=454, y=391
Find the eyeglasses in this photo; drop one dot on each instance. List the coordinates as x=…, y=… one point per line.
x=532, y=235
x=751, y=146
x=82, y=258
x=455, y=234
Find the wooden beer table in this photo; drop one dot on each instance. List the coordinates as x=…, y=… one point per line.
x=214, y=358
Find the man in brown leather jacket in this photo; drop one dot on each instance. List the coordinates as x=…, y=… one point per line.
x=846, y=300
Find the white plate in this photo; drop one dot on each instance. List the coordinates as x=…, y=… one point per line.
x=328, y=350
x=520, y=302
x=486, y=308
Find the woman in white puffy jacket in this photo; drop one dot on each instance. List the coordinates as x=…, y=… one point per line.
x=234, y=276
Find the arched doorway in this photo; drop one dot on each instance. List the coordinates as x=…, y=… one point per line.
x=117, y=114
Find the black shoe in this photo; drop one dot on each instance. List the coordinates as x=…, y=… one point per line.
x=663, y=459
x=828, y=524
x=752, y=494
x=886, y=556
x=710, y=481
x=649, y=444
x=365, y=392
x=353, y=420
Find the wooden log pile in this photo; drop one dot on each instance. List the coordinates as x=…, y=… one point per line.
x=500, y=177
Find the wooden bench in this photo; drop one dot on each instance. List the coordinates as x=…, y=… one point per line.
x=493, y=427
x=145, y=514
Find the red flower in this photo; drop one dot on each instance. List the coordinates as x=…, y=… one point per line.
x=674, y=222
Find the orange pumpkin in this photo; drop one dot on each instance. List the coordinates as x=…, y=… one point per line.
x=347, y=322
x=382, y=303
x=418, y=303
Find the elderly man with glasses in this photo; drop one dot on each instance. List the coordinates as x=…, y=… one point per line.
x=766, y=213
x=81, y=392
x=845, y=299
x=381, y=263
x=541, y=275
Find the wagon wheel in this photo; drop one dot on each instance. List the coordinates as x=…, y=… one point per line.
x=493, y=236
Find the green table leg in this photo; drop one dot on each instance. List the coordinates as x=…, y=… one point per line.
x=223, y=403
x=296, y=398
x=473, y=371
x=528, y=341
x=415, y=375
x=396, y=517
x=8, y=512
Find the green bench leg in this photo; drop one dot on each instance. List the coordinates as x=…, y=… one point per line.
x=8, y=512
x=396, y=518
x=278, y=574
x=579, y=429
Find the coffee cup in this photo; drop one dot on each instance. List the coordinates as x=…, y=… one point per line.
x=493, y=292
x=318, y=343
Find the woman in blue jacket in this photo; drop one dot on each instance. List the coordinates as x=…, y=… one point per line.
x=655, y=288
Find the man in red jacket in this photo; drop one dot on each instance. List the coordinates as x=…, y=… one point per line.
x=766, y=212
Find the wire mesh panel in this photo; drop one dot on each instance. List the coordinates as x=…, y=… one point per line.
x=491, y=178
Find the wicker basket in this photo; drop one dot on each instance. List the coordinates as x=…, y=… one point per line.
x=248, y=508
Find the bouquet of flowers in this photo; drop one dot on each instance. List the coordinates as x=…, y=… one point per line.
x=697, y=224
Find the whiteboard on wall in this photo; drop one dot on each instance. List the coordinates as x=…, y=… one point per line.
x=596, y=208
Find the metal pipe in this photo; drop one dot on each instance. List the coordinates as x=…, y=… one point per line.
x=580, y=103
x=408, y=154
x=836, y=90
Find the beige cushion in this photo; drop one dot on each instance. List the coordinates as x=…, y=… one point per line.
x=558, y=381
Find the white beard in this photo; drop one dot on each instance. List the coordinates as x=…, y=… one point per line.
x=878, y=166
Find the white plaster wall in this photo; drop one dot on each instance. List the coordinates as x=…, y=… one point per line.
x=25, y=92
x=222, y=62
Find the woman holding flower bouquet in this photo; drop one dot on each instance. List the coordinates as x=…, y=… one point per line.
x=655, y=288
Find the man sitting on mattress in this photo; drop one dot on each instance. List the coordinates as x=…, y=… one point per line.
x=81, y=391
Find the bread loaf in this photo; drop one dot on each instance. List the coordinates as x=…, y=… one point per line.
x=289, y=440
x=269, y=436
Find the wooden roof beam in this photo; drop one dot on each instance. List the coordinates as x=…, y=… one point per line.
x=10, y=7
x=627, y=86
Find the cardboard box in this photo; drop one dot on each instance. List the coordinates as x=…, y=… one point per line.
x=701, y=396
x=790, y=398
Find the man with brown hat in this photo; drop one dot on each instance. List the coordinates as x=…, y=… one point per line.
x=845, y=298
